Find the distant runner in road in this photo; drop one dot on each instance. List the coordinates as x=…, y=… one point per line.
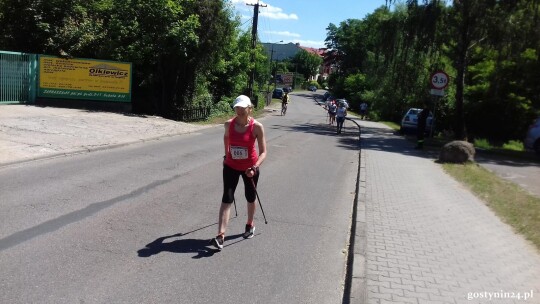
x=332, y=108
x=340, y=116
x=363, y=110
x=241, y=159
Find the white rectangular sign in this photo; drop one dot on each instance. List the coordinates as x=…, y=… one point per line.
x=437, y=92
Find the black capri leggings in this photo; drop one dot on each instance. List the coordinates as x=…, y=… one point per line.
x=230, y=181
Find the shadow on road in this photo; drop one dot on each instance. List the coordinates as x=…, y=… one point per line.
x=201, y=247
x=348, y=139
x=308, y=95
x=380, y=139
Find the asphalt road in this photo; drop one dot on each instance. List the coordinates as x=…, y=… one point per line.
x=524, y=173
x=132, y=224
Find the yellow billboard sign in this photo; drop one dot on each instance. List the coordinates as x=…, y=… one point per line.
x=84, y=79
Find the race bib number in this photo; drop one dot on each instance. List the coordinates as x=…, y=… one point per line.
x=239, y=152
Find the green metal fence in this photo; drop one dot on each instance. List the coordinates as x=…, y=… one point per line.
x=17, y=77
x=193, y=114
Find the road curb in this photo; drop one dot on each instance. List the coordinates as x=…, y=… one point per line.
x=355, y=279
x=359, y=284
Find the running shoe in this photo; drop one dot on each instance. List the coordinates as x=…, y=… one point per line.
x=217, y=242
x=250, y=231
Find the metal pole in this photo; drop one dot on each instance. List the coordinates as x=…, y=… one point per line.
x=271, y=58
x=294, y=77
x=257, y=193
x=433, y=119
x=253, y=45
x=275, y=72
x=270, y=65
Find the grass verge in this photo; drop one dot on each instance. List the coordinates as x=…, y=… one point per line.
x=512, y=204
x=512, y=149
x=391, y=124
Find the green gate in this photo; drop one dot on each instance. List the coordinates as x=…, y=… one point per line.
x=17, y=77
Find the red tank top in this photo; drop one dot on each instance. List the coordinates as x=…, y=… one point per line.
x=242, y=153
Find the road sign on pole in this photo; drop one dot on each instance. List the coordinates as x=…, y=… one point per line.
x=439, y=80
x=287, y=78
x=436, y=92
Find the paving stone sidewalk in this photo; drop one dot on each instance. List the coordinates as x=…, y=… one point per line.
x=429, y=240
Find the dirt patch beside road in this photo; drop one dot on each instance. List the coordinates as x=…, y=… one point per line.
x=30, y=132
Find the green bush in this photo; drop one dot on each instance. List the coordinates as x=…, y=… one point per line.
x=322, y=83
x=313, y=83
x=261, y=99
x=223, y=107
x=307, y=84
x=514, y=145
x=202, y=100
x=374, y=116
x=482, y=143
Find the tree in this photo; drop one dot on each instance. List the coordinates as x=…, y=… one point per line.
x=50, y=27
x=394, y=48
x=502, y=81
x=306, y=63
x=346, y=44
x=178, y=47
x=490, y=49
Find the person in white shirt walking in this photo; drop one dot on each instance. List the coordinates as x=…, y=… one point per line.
x=331, y=108
x=340, y=116
x=363, y=110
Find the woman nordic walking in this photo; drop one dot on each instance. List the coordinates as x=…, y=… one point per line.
x=241, y=159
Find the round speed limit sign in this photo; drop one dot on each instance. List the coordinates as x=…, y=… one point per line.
x=439, y=80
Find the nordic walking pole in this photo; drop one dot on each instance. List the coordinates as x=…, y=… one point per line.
x=234, y=201
x=256, y=193
x=327, y=117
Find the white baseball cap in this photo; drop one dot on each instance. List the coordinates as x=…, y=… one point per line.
x=242, y=101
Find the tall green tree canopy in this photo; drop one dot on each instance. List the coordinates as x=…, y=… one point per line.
x=306, y=63
x=489, y=48
x=184, y=52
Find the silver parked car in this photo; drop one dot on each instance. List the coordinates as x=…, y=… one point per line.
x=409, y=122
x=532, y=140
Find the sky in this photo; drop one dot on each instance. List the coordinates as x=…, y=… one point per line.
x=302, y=21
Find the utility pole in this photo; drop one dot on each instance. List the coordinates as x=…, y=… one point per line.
x=253, y=45
x=271, y=57
x=294, y=77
